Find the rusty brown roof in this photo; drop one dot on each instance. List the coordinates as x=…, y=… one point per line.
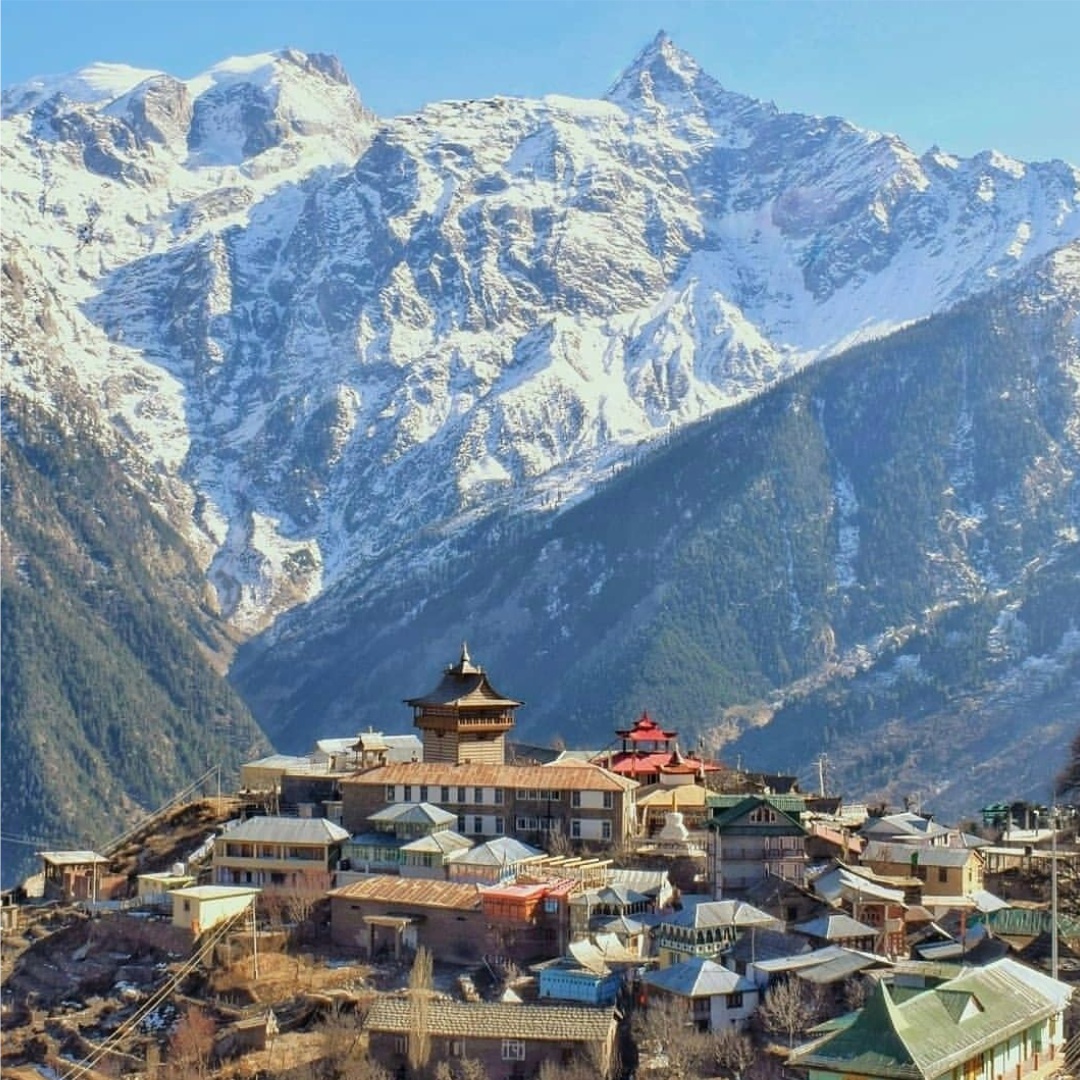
x=420, y=892
x=569, y=777
x=496, y=1020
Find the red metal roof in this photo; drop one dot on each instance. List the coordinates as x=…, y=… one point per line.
x=646, y=729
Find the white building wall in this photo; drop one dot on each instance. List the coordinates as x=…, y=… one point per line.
x=722, y=1017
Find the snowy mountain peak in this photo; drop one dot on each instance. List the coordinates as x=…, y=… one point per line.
x=96, y=84
x=660, y=70
x=510, y=296
x=246, y=105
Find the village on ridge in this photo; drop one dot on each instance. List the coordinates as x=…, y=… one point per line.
x=510, y=911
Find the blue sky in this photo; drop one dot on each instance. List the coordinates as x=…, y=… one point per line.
x=964, y=75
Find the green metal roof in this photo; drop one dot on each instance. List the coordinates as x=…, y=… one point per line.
x=927, y=1034
x=730, y=820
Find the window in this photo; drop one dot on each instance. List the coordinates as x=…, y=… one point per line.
x=408, y=792
x=943, y=874
x=513, y=1050
x=423, y=792
x=763, y=815
x=187, y=905
x=575, y=798
x=445, y=794
x=461, y=823
x=734, y=1001
x=605, y=830
x=401, y=1044
x=551, y=906
x=391, y=794
x=498, y=796
x=478, y=795
x=477, y=824
x=500, y=826
x=609, y=800
x=575, y=828
x=460, y=794
x=457, y=1047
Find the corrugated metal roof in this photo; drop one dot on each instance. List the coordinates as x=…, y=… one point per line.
x=72, y=858
x=413, y=814
x=556, y=775
x=445, y=841
x=421, y=892
x=835, y=928
x=287, y=830
x=878, y=851
x=496, y=1020
x=501, y=851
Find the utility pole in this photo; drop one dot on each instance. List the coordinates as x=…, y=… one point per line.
x=1053, y=893
x=254, y=943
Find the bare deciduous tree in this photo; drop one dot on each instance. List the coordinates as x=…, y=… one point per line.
x=856, y=991
x=790, y=1007
x=421, y=981
x=666, y=1038
x=191, y=1047
x=461, y=1069
x=732, y=1051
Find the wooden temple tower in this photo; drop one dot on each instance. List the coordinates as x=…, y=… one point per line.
x=464, y=719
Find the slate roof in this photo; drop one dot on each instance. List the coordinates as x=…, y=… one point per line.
x=698, y=977
x=497, y=1020
x=932, y=1031
x=416, y=892
x=287, y=830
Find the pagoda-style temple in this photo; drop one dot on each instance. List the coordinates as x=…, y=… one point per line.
x=464, y=719
x=650, y=754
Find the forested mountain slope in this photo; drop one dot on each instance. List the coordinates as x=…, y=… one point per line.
x=882, y=548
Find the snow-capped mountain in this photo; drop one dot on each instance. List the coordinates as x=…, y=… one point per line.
x=329, y=334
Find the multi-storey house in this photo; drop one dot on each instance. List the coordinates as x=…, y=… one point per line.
x=751, y=840
x=411, y=839
x=580, y=802
x=279, y=853
x=947, y=873
x=706, y=930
